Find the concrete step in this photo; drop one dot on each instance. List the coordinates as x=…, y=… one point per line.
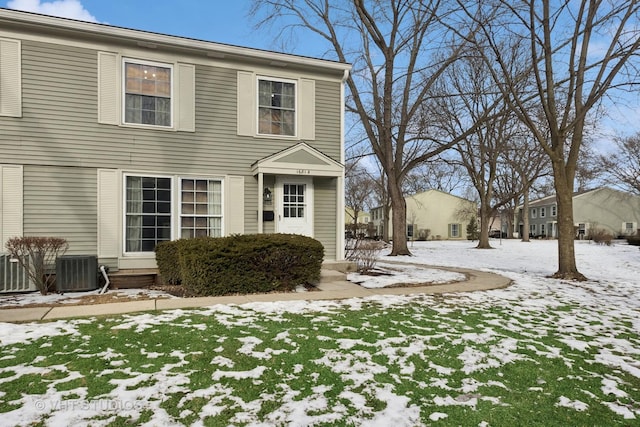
x=327, y=276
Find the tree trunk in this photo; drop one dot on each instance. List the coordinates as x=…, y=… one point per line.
x=525, y=214
x=483, y=239
x=567, y=268
x=399, y=220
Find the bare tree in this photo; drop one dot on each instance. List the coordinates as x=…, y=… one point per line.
x=621, y=167
x=358, y=192
x=444, y=174
x=479, y=151
x=398, y=49
x=581, y=51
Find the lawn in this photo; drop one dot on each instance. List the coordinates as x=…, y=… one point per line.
x=540, y=353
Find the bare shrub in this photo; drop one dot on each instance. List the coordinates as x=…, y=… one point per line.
x=364, y=253
x=601, y=237
x=38, y=257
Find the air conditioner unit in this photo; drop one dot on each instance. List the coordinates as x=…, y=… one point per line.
x=13, y=277
x=76, y=273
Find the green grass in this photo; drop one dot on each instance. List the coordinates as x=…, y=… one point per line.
x=338, y=366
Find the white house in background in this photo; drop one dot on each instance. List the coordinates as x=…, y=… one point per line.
x=603, y=208
x=432, y=214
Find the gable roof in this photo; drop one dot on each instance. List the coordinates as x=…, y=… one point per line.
x=299, y=159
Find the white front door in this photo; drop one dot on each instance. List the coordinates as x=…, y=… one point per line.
x=294, y=205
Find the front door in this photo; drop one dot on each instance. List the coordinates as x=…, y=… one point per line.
x=295, y=205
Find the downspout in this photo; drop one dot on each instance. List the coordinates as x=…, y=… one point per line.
x=340, y=180
x=103, y=269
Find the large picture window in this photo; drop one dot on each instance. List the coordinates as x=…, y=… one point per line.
x=276, y=107
x=147, y=94
x=200, y=208
x=148, y=212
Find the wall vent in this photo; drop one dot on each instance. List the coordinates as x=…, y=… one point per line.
x=13, y=277
x=76, y=273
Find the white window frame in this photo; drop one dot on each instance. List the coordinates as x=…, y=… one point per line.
x=457, y=229
x=554, y=210
x=295, y=112
x=543, y=230
x=172, y=101
x=176, y=204
x=543, y=212
x=533, y=229
x=534, y=213
x=124, y=209
x=180, y=202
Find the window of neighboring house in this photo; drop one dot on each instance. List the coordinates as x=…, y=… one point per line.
x=533, y=230
x=454, y=230
x=534, y=213
x=276, y=107
x=542, y=230
x=147, y=88
x=543, y=212
x=148, y=212
x=582, y=230
x=409, y=230
x=554, y=209
x=629, y=228
x=200, y=208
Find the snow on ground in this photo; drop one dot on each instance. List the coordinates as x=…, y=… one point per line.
x=31, y=298
x=606, y=300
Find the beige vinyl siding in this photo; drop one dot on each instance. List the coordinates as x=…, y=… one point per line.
x=60, y=122
x=61, y=202
x=11, y=203
x=325, y=215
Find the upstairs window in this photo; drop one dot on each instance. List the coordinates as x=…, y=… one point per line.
x=147, y=99
x=554, y=210
x=543, y=212
x=534, y=213
x=276, y=107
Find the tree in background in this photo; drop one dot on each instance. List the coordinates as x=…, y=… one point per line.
x=358, y=192
x=398, y=49
x=621, y=168
x=579, y=52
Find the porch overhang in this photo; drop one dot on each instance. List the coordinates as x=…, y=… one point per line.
x=299, y=159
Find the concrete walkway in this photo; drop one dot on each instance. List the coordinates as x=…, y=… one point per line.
x=332, y=286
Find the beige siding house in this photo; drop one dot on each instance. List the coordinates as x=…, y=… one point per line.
x=117, y=139
x=444, y=215
x=604, y=208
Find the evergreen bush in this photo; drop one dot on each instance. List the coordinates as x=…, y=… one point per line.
x=243, y=264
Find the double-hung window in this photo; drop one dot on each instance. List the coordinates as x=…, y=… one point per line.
x=543, y=212
x=276, y=107
x=147, y=93
x=148, y=212
x=200, y=208
x=554, y=210
x=534, y=213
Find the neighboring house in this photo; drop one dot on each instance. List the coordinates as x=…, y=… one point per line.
x=361, y=223
x=604, y=208
x=444, y=215
x=117, y=139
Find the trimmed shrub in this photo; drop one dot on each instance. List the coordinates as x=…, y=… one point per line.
x=248, y=263
x=168, y=263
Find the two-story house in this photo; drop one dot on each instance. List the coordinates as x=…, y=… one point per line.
x=613, y=211
x=117, y=139
x=431, y=214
